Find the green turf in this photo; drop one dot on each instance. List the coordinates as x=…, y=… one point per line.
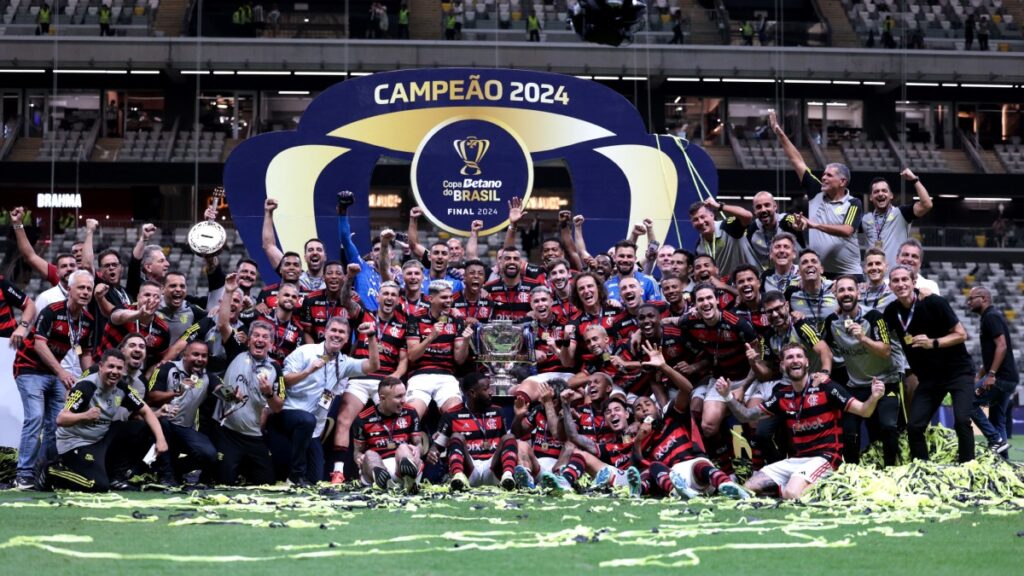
x=554, y=536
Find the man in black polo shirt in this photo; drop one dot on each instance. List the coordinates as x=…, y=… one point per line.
x=933, y=340
x=997, y=376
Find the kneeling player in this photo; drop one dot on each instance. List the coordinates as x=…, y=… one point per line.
x=480, y=451
x=386, y=434
x=813, y=415
x=607, y=457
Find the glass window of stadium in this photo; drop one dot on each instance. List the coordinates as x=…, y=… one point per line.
x=695, y=118
x=748, y=118
x=230, y=113
x=141, y=111
x=10, y=109
x=992, y=123
x=838, y=120
x=281, y=110
x=924, y=122
x=67, y=111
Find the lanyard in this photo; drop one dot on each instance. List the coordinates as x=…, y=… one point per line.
x=784, y=281
x=73, y=334
x=711, y=248
x=880, y=223
x=878, y=297
x=785, y=340
x=910, y=317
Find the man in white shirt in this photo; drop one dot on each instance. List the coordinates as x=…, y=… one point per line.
x=313, y=375
x=911, y=254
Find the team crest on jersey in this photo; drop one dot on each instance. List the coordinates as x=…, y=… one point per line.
x=491, y=424
x=812, y=400
x=394, y=331
x=401, y=422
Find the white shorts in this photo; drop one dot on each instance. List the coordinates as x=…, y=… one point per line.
x=549, y=376
x=364, y=389
x=437, y=387
x=708, y=392
x=762, y=390
x=685, y=469
x=482, y=474
x=389, y=463
x=547, y=464
x=811, y=469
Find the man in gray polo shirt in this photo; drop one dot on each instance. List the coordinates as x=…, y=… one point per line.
x=722, y=239
x=888, y=226
x=833, y=214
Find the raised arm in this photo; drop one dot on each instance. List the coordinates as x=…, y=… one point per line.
x=387, y=236
x=572, y=433
x=28, y=253
x=269, y=237
x=581, y=245
x=414, y=232
x=565, y=234
x=795, y=159
x=473, y=243
x=372, y=362
x=516, y=212
x=923, y=205
x=88, y=254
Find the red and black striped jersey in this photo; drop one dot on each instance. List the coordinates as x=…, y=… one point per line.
x=157, y=333
x=535, y=274
x=408, y=308
x=61, y=332
x=268, y=296
x=10, y=297
x=545, y=442
x=317, y=308
x=565, y=310
x=814, y=417
x=482, y=308
x=287, y=336
x=625, y=323
x=439, y=357
x=510, y=302
x=723, y=344
x=677, y=440
x=482, y=431
x=541, y=333
x=616, y=450
x=390, y=343
x=673, y=349
x=589, y=421
x=757, y=318
x=373, y=431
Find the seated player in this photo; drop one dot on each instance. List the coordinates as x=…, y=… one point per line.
x=813, y=415
x=388, y=443
x=436, y=342
x=474, y=432
x=608, y=456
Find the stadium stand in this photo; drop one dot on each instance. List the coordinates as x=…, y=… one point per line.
x=1011, y=156
x=871, y=155
x=942, y=22
x=80, y=17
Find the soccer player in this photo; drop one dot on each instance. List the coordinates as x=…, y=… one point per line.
x=624, y=254
x=473, y=302
x=673, y=288
x=140, y=317
x=313, y=375
x=475, y=435
x=87, y=429
x=560, y=280
x=888, y=226
x=147, y=261
x=388, y=443
x=705, y=270
x=862, y=338
x=510, y=293
x=997, y=375
x=253, y=388
x=437, y=343
x=181, y=387
x=552, y=360
x=933, y=340
x=749, y=305
x=414, y=300
x=287, y=329
x=312, y=278
x=607, y=458
x=290, y=270
x=813, y=415
x=325, y=303
x=176, y=310
x=11, y=297
x=368, y=280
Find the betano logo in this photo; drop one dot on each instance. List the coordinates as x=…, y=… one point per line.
x=472, y=151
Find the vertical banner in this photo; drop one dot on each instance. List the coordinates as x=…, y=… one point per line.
x=10, y=399
x=472, y=137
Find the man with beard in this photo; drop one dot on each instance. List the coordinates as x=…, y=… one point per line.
x=783, y=275
x=631, y=296
x=813, y=300
x=217, y=332
x=177, y=311
x=481, y=452
x=180, y=388
x=321, y=305
x=313, y=375
x=536, y=426
x=394, y=362
x=140, y=318
x=51, y=272
x=368, y=281
x=997, y=375
x=608, y=458
x=65, y=267
x=253, y=388
x=147, y=261
x=888, y=226
x=602, y=266
x=767, y=224
x=108, y=295
x=552, y=361
x=438, y=258
x=389, y=446
x=437, y=342
x=559, y=279
x=861, y=337
x=591, y=300
x=473, y=302
x=911, y=254
x=624, y=253
x=721, y=239
x=706, y=271
x=667, y=338
x=933, y=340
x=290, y=270
x=668, y=446
x=529, y=271
x=414, y=301
x=133, y=346
x=287, y=330
x=309, y=280
x=510, y=293
x=721, y=339
x=813, y=414
x=87, y=429
x=875, y=293
x=673, y=288
x=833, y=214
x=749, y=305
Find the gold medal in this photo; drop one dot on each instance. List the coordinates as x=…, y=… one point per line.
x=908, y=339
x=78, y=349
x=878, y=244
x=391, y=446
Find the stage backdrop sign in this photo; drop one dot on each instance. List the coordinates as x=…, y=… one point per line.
x=11, y=414
x=472, y=138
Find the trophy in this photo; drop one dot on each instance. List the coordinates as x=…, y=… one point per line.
x=208, y=237
x=501, y=344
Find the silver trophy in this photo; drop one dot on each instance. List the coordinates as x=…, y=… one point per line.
x=501, y=348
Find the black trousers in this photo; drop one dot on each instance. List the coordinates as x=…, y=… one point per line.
x=243, y=455
x=928, y=398
x=89, y=468
x=197, y=447
x=881, y=424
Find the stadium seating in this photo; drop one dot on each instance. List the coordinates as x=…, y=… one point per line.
x=1011, y=156
x=203, y=145
x=762, y=154
x=942, y=22
x=872, y=155
x=923, y=157
x=67, y=145
x=146, y=146
x=79, y=17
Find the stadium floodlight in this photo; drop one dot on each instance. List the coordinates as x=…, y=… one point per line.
x=606, y=78
x=149, y=72
x=750, y=80
x=264, y=73
x=195, y=72
x=682, y=79
x=932, y=84
x=846, y=82
x=873, y=83
x=319, y=73
x=635, y=78
x=986, y=85
x=805, y=81
x=360, y=73
x=293, y=92
x=22, y=71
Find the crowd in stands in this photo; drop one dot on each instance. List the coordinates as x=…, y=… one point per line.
x=336, y=371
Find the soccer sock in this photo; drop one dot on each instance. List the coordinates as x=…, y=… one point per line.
x=720, y=448
x=574, y=469
x=708, y=475
x=342, y=455
x=645, y=482
x=456, y=456
x=509, y=454
x=660, y=473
